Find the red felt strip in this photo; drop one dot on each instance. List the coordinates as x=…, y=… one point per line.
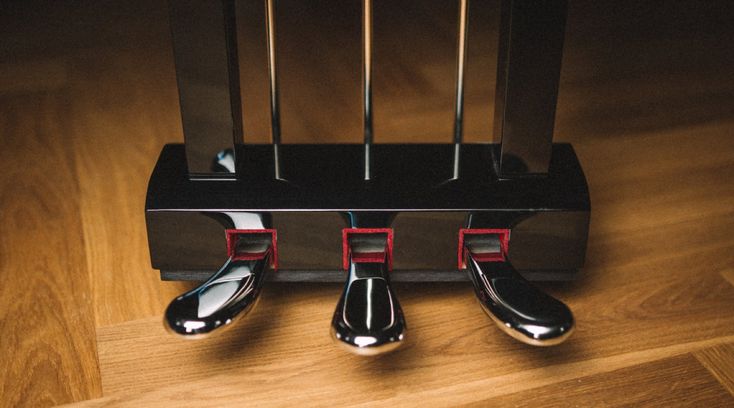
x=374, y=257
x=232, y=234
x=504, y=235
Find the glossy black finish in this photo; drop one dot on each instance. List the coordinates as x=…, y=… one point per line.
x=548, y=215
x=528, y=72
x=369, y=219
x=329, y=177
x=517, y=307
x=229, y=294
x=546, y=245
x=368, y=319
x=205, y=49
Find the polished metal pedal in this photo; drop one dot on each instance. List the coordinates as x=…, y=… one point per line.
x=241, y=216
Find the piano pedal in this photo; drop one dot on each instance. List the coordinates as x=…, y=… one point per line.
x=239, y=216
x=368, y=319
x=517, y=307
x=233, y=291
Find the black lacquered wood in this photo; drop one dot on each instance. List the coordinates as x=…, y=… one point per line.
x=329, y=177
x=528, y=72
x=205, y=50
x=548, y=216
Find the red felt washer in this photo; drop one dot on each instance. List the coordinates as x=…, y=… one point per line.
x=232, y=233
x=376, y=257
x=504, y=235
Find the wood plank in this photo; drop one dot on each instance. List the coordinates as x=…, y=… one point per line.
x=383, y=383
x=47, y=347
x=34, y=76
x=728, y=275
x=678, y=381
x=113, y=169
x=630, y=286
x=291, y=321
x=631, y=192
x=719, y=360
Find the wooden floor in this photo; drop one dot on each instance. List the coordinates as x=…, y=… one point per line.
x=88, y=98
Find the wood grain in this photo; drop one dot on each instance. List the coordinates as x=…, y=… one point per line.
x=455, y=335
x=113, y=170
x=728, y=275
x=720, y=361
x=88, y=97
x=678, y=381
x=47, y=347
x=386, y=385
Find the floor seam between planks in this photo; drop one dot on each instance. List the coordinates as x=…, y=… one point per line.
x=719, y=363
x=491, y=387
x=728, y=276
x=534, y=378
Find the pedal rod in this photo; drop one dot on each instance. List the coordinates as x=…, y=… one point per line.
x=367, y=83
x=273, y=75
x=460, y=70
